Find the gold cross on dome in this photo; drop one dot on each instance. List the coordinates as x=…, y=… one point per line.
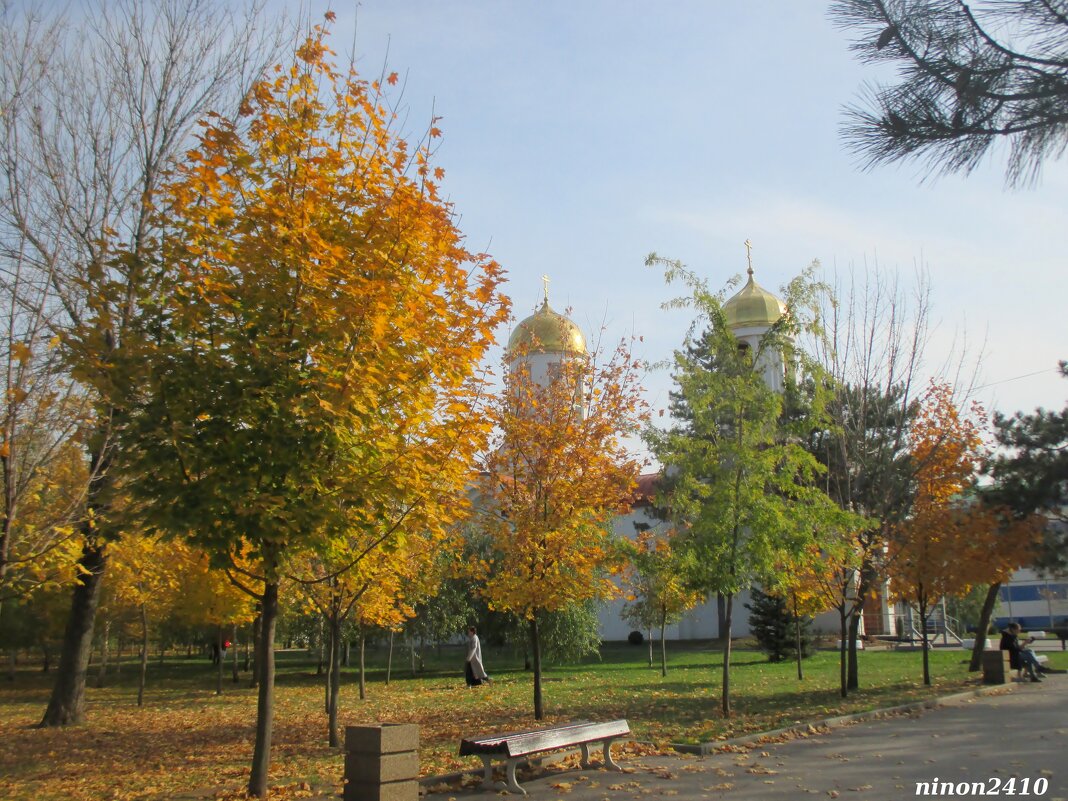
x=545, y=286
x=749, y=255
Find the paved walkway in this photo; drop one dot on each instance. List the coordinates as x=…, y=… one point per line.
x=1021, y=734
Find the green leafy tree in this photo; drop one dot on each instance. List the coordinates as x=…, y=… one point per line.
x=740, y=486
x=969, y=74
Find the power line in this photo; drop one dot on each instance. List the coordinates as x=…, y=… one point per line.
x=1015, y=378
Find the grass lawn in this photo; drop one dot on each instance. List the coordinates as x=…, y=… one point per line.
x=187, y=739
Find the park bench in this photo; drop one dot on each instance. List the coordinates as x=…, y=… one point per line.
x=516, y=747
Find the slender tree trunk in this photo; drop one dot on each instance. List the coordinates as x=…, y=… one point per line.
x=535, y=647
x=320, y=663
x=335, y=679
x=797, y=640
x=120, y=649
x=389, y=658
x=257, y=657
x=843, y=674
x=144, y=657
x=663, y=645
x=363, y=665
x=984, y=624
x=727, y=658
x=330, y=648
x=650, y=638
x=233, y=644
x=219, y=662
x=261, y=757
x=105, y=639
x=411, y=647
x=247, y=661
x=926, y=647
x=721, y=614
x=345, y=653
x=46, y=655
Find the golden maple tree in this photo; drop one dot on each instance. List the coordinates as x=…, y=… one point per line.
x=950, y=542
x=559, y=473
x=307, y=350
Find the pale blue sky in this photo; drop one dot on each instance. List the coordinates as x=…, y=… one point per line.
x=579, y=136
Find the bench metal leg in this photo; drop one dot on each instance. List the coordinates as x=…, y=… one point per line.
x=585, y=755
x=512, y=784
x=487, y=773
x=609, y=763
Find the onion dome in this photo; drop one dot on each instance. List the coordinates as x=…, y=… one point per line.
x=753, y=306
x=547, y=331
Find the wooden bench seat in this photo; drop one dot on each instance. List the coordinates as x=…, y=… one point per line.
x=515, y=747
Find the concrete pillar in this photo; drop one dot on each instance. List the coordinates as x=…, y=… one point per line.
x=382, y=762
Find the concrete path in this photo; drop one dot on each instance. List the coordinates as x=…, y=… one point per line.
x=1021, y=734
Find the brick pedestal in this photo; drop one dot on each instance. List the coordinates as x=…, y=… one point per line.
x=996, y=668
x=382, y=762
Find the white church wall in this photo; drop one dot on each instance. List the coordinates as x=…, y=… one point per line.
x=700, y=623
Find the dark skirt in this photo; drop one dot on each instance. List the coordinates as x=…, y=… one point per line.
x=469, y=675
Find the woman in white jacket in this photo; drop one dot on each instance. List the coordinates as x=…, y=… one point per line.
x=473, y=669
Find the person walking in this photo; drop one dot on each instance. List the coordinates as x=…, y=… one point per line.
x=474, y=672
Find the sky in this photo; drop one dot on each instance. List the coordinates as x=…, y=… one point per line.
x=580, y=136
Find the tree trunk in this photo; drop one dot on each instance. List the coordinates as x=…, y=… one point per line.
x=144, y=657
x=246, y=664
x=120, y=647
x=797, y=640
x=219, y=662
x=233, y=644
x=257, y=657
x=335, y=680
x=727, y=659
x=663, y=645
x=102, y=668
x=854, y=635
x=363, y=665
x=650, y=638
x=984, y=624
x=926, y=646
x=857, y=615
x=261, y=757
x=389, y=658
x=721, y=614
x=535, y=647
x=843, y=674
x=411, y=645
x=330, y=646
x=345, y=653
x=46, y=654
x=319, y=664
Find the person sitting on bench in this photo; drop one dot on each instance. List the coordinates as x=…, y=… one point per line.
x=1020, y=658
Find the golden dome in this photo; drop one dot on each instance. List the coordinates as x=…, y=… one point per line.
x=753, y=306
x=547, y=331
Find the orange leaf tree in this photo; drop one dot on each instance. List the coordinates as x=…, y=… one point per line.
x=559, y=473
x=947, y=544
x=307, y=358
